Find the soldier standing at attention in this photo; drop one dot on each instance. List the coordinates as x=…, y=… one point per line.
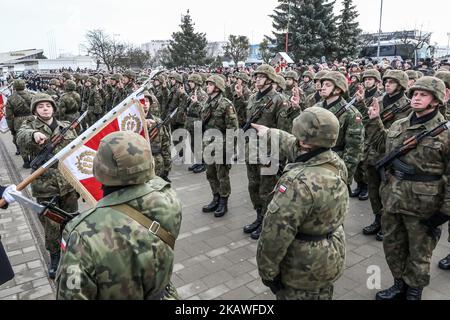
x=123, y=249
x=416, y=192
x=32, y=138
x=69, y=104
x=301, y=251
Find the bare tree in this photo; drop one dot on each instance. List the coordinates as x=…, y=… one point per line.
x=413, y=44
x=103, y=48
x=264, y=51
x=238, y=48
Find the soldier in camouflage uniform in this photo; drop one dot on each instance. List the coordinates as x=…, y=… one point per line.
x=301, y=251
x=416, y=192
x=314, y=98
x=394, y=106
x=53, y=89
x=307, y=85
x=412, y=77
x=93, y=102
x=292, y=107
x=123, y=249
x=350, y=144
x=371, y=79
x=218, y=114
x=128, y=79
x=113, y=92
x=260, y=186
x=195, y=103
x=32, y=138
x=161, y=143
x=177, y=99
x=241, y=95
x=17, y=111
x=445, y=110
x=69, y=104
x=291, y=82
x=161, y=93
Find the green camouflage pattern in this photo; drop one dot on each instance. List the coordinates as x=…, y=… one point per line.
x=68, y=106
x=161, y=149
x=17, y=111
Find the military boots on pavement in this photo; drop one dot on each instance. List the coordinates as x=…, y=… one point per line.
x=361, y=192
x=213, y=205
x=396, y=292
x=444, y=264
x=222, y=209
x=250, y=228
x=414, y=294
x=374, y=228
x=54, y=262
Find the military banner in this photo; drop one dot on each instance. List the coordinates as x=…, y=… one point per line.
x=76, y=166
x=3, y=125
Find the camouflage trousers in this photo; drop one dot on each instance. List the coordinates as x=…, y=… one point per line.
x=171, y=292
x=260, y=187
x=53, y=231
x=218, y=176
x=374, y=182
x=408, y=248
x=360, y=174
x=298, y=294
x=159, y=164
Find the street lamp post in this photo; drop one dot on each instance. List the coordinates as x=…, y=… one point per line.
x=379, y=30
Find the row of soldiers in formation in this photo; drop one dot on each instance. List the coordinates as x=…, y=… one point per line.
x=304, y=210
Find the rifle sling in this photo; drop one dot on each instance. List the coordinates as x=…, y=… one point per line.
x=152, y=226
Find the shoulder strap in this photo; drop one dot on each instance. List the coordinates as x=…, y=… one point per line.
x=152, y=226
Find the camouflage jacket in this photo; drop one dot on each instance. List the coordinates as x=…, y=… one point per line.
x=17, y=107
x=52, y=92
x=162, y=94
x=270, y=116
x=94, y=102
x=240, y=103
x=430, y=158
x=194, y=110
x=161, y=149
x=288, y=115
x=177, y=100
x=69, y=106
x=308, y=88
x=311, y=198
x=350, y=143
x=51, y=183
x=109, y=256
x=312, y=100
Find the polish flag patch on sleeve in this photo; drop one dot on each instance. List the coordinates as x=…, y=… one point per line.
x=282, y=189
x=63, y=244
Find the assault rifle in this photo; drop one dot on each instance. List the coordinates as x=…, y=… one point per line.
x=406, y=147
x=47, y=153
x=155, y=130
x=345, y=108
x=388, y=116
x=256, y=115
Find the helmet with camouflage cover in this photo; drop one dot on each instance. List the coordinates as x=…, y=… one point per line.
x=412, y=75
x=66, y=76
x=93, y=80
x=204, y=76
x=77, y=76
x=400, y=76
x=317, y=126
x=243, y=76
x=196, y=78
x=281, y=82
x=318, y=76
x=430, y=84
x=268, y=71
x=419, y=74
x=176, y=76
x=372, y=73
x=116, y=77
x=19, y=85
x=84, y=77
x=308, y=74
x=54, y=82
x=342, y=70
x=123, y=158
x=291, y=75
x=338, y=79
x=130, y=74
x=217, y=81
x=444, y=76
x=41, y=97
x=70, y=85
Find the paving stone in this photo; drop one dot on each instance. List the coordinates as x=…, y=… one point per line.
x=257, y=286
x=191, y=289
x=241, y=293
x=216, y=278
x=239, y=281
x=214, y=292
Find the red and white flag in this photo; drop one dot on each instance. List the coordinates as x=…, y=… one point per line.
x=3, y=124
x=76, y=166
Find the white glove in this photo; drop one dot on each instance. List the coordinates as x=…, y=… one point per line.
x=8, y=192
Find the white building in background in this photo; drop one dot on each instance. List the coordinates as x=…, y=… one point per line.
x=214, y=49
x=154, y=46
x=34, y=60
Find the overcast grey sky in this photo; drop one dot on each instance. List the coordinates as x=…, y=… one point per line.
x=32, y=24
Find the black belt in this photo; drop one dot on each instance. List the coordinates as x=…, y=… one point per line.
x=310, y=238
x=414, y=177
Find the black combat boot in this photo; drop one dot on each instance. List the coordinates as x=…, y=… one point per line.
x=374, y=228
x=222, y=208
x=414, y=294
x=380, y=236
x=396, y=292
x=255, y=234
x=364, y=194
x=252, y=227
x=192, y=168
x=213, y=205
x=355, y=193
x=26, y=164
x=17, y=152
x=54, y=262
x=444, y=264
x=200, y=168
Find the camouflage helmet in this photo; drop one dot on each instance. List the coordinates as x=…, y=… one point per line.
x=93, y=80
x=308, y=74
x=412, y=75
x=70, y=85
x=444, y=76
x=281, y=82
x=123, y=158
x=400, y=76
x=130, y=74
x=67, y=76
x=116, y=77
x=268, y=71
x=372, y=73
x=318, y=76
x=77, y=76
x=430, y=84
x=176, y=76
x=54, y=82
x=19, y=85
x=243, y=76
x=41, y=97
x=338, y=79
x=342, y=70
x=419, y=74
x=317, y=126
x=84, y=77
x=217, y=81
x=291, y=75
x=196, y=78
